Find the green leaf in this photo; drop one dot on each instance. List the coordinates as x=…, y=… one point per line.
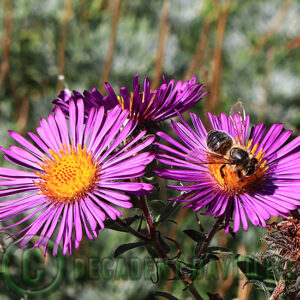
x=164, y=244
x=171, y=221
x=111, y=224
x=198, y=248
x=218, y=250
x=211, y=257
x=125, y=247
x=195, y=235
x=131, y=220
x=151, y=251
x=157, y=206
x=255, y=271
x=259, y=284
x=189, y=272
x=205, y=260
x=168, y=210
x=165, y=295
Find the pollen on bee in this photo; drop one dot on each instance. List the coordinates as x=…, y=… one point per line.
x=231, y=181
x=68, y=174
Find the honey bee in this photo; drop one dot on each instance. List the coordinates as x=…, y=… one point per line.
x=221, y=143
x=225, y=150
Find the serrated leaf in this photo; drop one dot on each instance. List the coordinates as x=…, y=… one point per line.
x=125, y=247
x=195, y=235
x=165, y=295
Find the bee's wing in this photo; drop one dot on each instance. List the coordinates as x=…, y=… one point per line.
x=238, y=117
x=204, y=157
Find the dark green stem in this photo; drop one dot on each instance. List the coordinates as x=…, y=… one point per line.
x=159, y=249
x=129, y=229
x=209, y=237
x=147, y=216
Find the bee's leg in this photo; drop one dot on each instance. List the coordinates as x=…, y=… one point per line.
x=221, y=171
x=240, y=175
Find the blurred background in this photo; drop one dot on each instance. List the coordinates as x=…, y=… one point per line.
x=240, y=50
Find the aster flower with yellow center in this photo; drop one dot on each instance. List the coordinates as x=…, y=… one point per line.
x=233, y=171
x=77, y=173
x=146, y=106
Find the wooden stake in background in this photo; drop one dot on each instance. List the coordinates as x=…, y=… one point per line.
x=62, y=44
x=8, y=27
x=116, y=8
x=163, y=33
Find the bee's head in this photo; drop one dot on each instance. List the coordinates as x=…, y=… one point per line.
x=251, y=167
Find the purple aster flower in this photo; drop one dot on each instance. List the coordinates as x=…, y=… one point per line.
x=232, y=171
x=77, y=174
x=91, y=100
x=146, y=106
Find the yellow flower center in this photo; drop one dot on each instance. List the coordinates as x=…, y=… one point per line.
x=233, y=183
x=68, y=175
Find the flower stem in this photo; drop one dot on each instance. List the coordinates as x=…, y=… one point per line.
x=147, y=216
x=210, y=236
x=159, y=249
x=278, y=290
x=129, y=229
